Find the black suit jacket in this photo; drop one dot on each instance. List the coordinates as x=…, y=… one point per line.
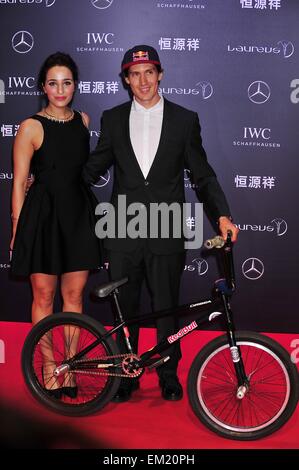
x=180, y=147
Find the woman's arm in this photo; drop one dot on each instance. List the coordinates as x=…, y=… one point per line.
x=101, y=158
x=23, y=149
x=85, y=119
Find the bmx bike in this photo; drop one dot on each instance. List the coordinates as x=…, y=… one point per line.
x=241, y=385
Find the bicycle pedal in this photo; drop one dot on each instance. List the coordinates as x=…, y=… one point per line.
x=158, y=362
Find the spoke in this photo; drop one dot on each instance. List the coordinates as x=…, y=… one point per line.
x=60, y=343
x=262, y=402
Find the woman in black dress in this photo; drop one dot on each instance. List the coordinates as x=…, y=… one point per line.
x=54, y=226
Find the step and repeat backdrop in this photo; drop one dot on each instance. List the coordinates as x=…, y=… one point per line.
x=235, y=62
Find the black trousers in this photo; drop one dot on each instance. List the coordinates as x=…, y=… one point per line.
x=162, y=274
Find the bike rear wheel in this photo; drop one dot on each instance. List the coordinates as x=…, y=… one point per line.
x=272, y=395
x=56, y=339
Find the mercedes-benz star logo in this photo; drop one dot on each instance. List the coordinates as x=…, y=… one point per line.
x=202, y=266
x=253, y=268
x=259, y=92
x=206, y=89
x=102, y=4
x=104, y=179
x=22, y=42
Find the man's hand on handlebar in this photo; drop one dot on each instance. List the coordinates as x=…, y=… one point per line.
x=225, y=225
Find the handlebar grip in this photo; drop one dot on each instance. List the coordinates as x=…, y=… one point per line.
x=216, y=242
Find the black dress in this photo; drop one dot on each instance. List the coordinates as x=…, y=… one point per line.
x=56, y=228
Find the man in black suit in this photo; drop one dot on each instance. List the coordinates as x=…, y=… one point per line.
x=150, y=141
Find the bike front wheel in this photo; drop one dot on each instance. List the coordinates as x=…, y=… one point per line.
x=90, y=382
x=269, y=401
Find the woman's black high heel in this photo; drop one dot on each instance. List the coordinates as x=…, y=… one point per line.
x=52, y=392
x=70, y=392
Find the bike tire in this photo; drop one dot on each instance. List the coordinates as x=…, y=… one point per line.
x=53, y=336
x=273, y=387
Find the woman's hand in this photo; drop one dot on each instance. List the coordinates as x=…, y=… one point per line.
x=11, y=245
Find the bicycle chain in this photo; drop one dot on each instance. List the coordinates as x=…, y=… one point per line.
x=112, y=374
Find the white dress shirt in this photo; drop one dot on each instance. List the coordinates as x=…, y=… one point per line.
x=145, y=132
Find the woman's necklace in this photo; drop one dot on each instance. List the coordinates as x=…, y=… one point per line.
x=56, y=119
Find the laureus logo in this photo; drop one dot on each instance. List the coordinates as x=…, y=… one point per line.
x=277, y=226
x=206, y=89
x=101, y=4
x=201, y=266
x=287, y=48
x=280, y=225
x=47, y=3
x=104, y=179
x=284, y=48
x=203, y=89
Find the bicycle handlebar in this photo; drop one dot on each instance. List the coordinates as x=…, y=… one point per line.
x=219, y=242
x=216, y=242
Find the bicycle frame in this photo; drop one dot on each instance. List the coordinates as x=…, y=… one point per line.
x=209, y=309
x=225, y=400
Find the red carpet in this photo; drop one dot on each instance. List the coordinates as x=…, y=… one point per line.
x=146, y=422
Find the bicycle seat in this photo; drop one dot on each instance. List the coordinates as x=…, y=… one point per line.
x=105, y=289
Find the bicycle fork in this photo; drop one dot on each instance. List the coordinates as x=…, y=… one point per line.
x=243, y=382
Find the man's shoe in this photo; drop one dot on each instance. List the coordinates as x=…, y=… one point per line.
x=171, y=388
x=126, y=388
